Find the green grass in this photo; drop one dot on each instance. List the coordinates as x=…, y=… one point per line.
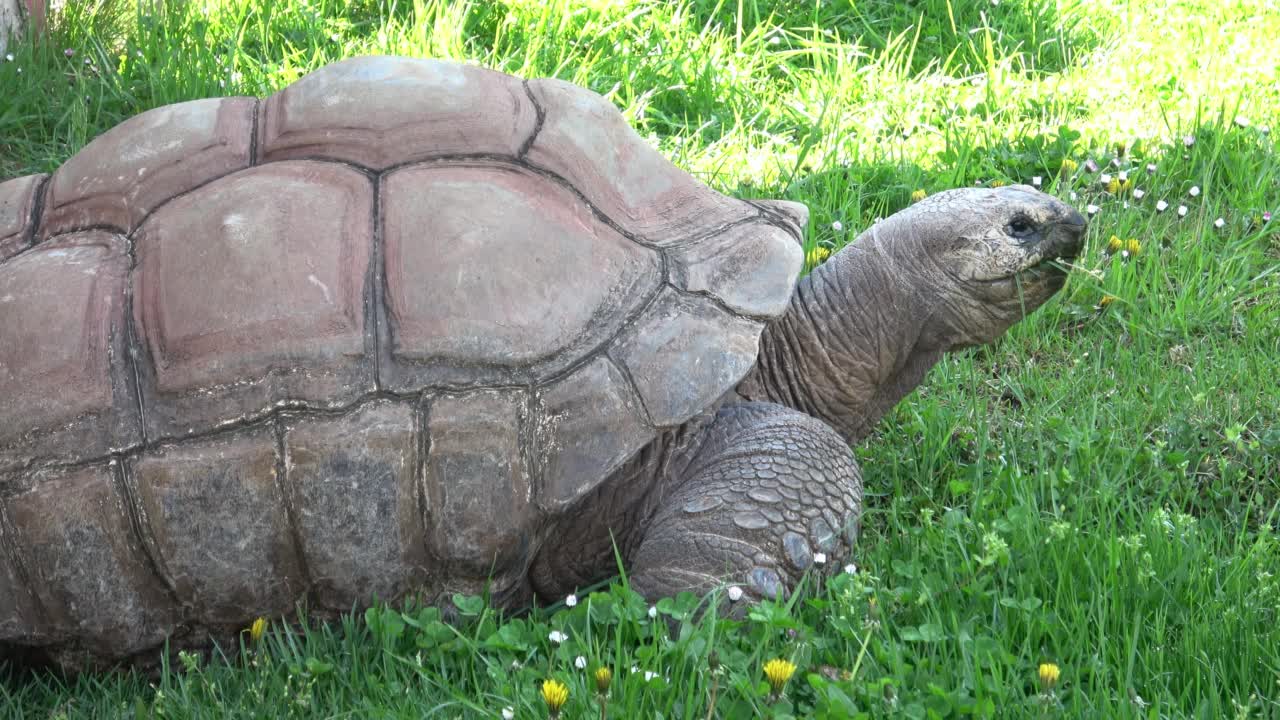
x=1100, y=490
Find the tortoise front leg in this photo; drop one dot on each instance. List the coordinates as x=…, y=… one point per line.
x=769, y=490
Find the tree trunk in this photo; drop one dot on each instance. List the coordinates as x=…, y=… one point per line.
x=12, y=21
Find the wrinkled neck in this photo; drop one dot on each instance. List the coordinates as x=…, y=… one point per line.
x=849, y=346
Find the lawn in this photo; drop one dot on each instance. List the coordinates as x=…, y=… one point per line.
x=1099, y=491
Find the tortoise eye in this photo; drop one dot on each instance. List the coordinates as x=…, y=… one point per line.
x=1020, y=227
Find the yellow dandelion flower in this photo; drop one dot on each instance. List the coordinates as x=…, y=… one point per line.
x=257, y=629
x=1133, y=246
x=556, y=694
x=1116, y=186
x=1106, y=300
x=998, y=183
x=817, y=255
x=1069, y=166
x=1115, y=245
x=778, y=672
x=604, y=676
x=1049, y=674
x=918, y=195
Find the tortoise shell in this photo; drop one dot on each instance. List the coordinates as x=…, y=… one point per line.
x=333, y=343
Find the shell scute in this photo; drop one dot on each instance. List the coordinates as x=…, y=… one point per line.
x=252, y=291
x=751, y=268
x=684, y=353
x=17, y=205
x=384, y=111
x=62, y=307
x=592, y=423
x=133, y=168
x=352, y=480
x=75, y=536
x=496, y=266
x=588, y=142
x=221, y=533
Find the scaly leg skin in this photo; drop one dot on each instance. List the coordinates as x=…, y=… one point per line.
x=769, y=489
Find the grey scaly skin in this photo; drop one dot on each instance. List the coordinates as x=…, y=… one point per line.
x=749, y=492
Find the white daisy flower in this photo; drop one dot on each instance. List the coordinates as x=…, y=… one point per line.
x=1151, y=167
x=1194, y=191
x=1138, y=193
x=580, y=662
x=508, y=713
x=1037, y=180
x=735, y=593
x=557, y=637
x=1122, y=175
x=1092, y=209
x=1182, y=211
x=1242, y=122
x=1161, y=206
x=819, y=558
x=653, y=611
x=1219, y=223
x=1188, y=140
x=571, y=601
x=1104, y=178
x=8, y=57
x=851, y=569
x=837, y=226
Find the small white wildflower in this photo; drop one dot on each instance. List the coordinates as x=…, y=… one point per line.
x=1194, y=191
x=1115, y=161
x=735, y=593
x=1104, y=178
x=1138, y=193
x=1188, y=140
x=653, y=611
x=1242, y=122
x=1074, y=196
x=8, y=57
x=775, y=40
x=508, y=713
x=19, y=71
x=334, y=37
x=571, y=601
x=649, y=675
x=1219, y=223
x=1182, y=211
x=515, y=665
x=837, y=226
x=1265, y=130
x=1151, y=167
x=580, y=662
x=819, y=558
x=1122, y=175
x=1037, y=180
x=1092, y=209
x=1161, y=206
x=557, y=637
x=1124, y=253
x=851, y=569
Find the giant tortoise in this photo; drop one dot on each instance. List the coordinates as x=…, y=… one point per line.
x=408, y=328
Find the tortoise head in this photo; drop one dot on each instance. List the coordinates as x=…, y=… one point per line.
x=984, y=258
